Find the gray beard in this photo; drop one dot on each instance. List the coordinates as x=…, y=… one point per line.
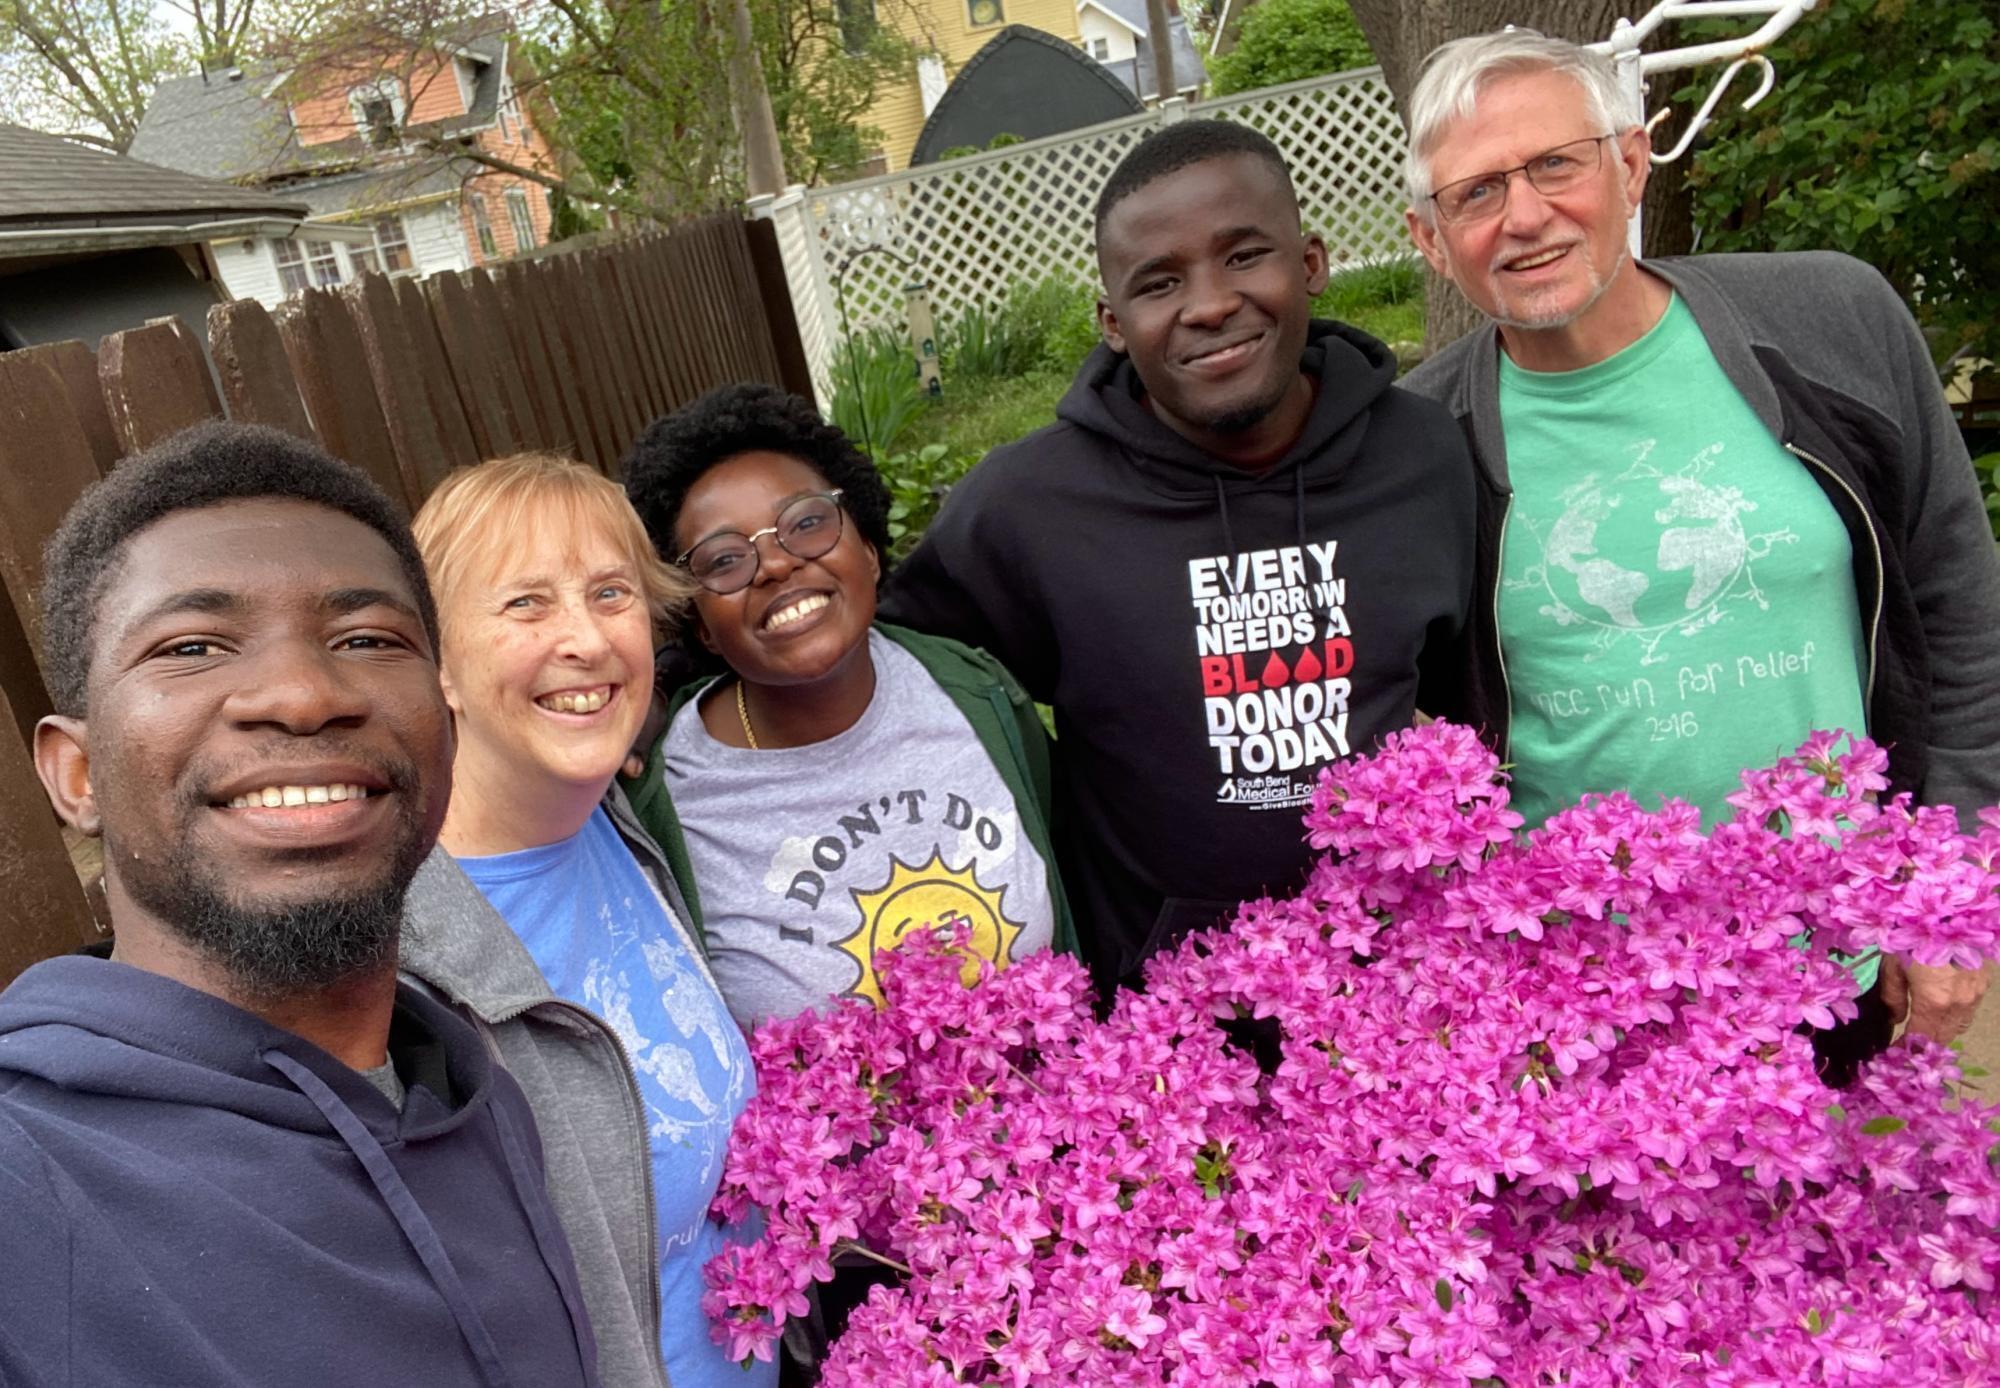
x=1563, y=320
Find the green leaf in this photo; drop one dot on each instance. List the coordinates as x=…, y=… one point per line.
x=1814, y=1323
x=1884, y=1125
x=1836, y=1113
x=1444, y=1294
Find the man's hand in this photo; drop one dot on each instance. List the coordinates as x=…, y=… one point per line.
x=1937, y=1001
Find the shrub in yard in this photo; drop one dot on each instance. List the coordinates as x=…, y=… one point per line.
x=1288, y=40
x=977, y=345
x=876, y=392
x=918, y=482
x=1882, y=140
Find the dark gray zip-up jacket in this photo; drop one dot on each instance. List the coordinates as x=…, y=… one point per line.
x=1831, y=361
x=579, y=1082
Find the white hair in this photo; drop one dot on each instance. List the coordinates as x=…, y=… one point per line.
x=1456, y=72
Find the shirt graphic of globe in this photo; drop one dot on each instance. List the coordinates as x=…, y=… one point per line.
x=1644, y=554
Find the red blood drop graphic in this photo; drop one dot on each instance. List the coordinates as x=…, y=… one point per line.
x=1308, y=668
x=1275, y=672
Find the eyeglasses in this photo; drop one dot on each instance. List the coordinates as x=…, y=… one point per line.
x=1553, y=170
x=807, y=528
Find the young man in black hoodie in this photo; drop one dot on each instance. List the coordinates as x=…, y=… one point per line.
x=1234, y=558
x=236, y=1153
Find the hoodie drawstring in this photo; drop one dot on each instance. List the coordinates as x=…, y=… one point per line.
x=1298, y=525
x=1228, y=540
x=403, y=1205
x=1316, y=607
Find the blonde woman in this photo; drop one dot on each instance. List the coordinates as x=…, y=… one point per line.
x=550, y=598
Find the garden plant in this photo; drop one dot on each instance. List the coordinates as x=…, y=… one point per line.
x=1541, y=1109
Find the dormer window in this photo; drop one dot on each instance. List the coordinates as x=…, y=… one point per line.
x=378, y=112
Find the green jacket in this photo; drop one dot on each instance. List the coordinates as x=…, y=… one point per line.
x=1002, y=717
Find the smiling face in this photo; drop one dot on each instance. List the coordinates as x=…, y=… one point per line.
x=266, y=752
x=799, y=620
x=548, y=667
x=1545, y=262
x=1208, y=288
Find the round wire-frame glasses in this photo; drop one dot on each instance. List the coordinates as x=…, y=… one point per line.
x=808, y=527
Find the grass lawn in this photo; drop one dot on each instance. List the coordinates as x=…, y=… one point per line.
x=977, y=416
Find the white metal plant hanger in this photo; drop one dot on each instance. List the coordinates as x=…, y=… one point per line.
x=1747, y=51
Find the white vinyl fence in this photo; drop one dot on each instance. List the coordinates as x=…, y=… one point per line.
x=973, y=228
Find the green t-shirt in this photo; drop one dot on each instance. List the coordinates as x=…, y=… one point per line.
x=1677, y=600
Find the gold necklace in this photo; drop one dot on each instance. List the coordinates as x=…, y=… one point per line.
x=743, y=716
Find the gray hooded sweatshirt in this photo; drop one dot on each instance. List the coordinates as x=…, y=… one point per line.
x=578, y=1080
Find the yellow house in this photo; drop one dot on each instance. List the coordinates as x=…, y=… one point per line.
x=954, y=30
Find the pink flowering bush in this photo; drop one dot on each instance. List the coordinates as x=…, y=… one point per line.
x=1544, y=1114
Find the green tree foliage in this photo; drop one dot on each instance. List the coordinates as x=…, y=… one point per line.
x=1286, y=40
x=85, y=68
x=641, y=94
x=1882, y=140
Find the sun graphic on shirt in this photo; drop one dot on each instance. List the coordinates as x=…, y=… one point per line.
x=931, y=895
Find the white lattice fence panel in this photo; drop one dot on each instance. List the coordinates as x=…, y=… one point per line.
x=973, y=229
x=1344, y=142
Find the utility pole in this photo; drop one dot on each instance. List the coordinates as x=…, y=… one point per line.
x=1161, y=39
x=763, y=158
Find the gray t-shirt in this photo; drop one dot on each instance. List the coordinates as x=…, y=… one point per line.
x=809, y=859
x=387, y=1082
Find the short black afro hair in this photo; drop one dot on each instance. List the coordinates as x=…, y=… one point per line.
x=671, y=456
x=205, y=465
x=1176, y=147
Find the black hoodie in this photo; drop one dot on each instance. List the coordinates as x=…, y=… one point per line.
x=1209, y=638
x=192, y=1198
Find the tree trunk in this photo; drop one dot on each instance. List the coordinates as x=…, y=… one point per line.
x=1403, y=33
x=1160, y=37
x=763, y=158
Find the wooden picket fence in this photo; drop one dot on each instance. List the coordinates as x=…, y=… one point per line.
x=405, y=378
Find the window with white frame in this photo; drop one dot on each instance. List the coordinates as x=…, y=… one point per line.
x=291, y=266
x=980, y=13
x=523, y=222
x=378, y=109
x=1100, y=49
x=323, y=263
x=392, y=242
x=482, y=226
x=364, y=260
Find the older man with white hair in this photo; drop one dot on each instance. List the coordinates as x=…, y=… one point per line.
x=1721, y=500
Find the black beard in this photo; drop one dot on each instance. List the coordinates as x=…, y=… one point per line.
x=274, y=952
x=1238, y=420
x=1243, y=417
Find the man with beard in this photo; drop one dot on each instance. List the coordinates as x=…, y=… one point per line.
x=1225, y=566
x=236, y=1153
x=1721, y=501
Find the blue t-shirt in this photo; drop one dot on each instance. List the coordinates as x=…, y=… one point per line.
x=604, y=940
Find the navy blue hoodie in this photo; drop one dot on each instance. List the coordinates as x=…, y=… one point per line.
x=192, y=1198
x=1210, y=638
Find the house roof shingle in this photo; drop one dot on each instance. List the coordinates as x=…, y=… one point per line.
x=48, y=182
x=232, y=124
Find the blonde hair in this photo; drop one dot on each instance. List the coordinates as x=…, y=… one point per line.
x=480, y=515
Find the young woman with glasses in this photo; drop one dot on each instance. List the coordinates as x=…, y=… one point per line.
x=834, y=783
